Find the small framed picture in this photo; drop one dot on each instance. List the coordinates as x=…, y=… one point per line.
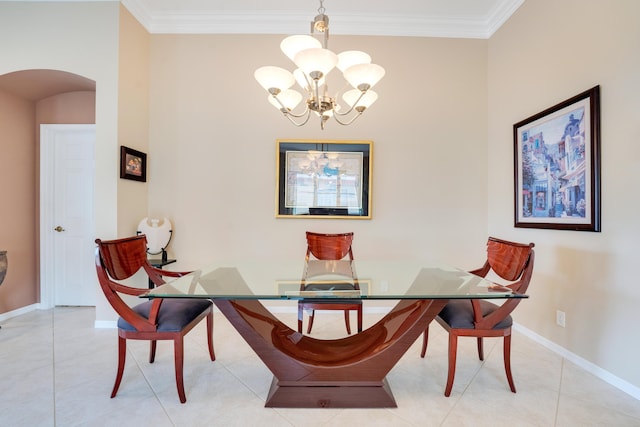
x=557, y=166
x=133, y=164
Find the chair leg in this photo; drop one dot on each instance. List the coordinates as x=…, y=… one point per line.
x=210, y=335
x=178, y=349
x=311, y=315
x=347, y=322
x=300, y=317
x=507, y=361
x=453, y=349
x=480, y=348
x=359, y=311
x=425, y=340
x=152, y=351
x=122, y=355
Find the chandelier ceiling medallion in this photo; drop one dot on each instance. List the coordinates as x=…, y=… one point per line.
x=314, y=61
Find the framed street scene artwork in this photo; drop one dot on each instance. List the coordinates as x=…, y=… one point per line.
x=557, y=166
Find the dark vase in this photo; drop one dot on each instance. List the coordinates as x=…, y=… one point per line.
x=4, y=263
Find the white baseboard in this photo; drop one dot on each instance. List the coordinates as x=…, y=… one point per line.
x=18, y=311
x=597, y=371
x=105, y=324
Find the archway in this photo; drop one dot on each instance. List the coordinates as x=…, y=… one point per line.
x=27, y=99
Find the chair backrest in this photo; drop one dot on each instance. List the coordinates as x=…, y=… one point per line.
x=123, y=258
x=330, y=247
x=119, y=260
x=513, y=262
x=508, y=259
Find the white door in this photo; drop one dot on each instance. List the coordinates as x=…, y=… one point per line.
x=67, y=165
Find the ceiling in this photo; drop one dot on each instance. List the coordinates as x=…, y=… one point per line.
x=419, y=18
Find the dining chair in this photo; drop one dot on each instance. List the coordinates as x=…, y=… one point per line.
x=156, y=319
x=329, y=247
x=510, y=261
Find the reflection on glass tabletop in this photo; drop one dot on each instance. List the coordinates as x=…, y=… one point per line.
x=331, y=279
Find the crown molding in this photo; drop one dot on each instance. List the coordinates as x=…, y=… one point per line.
x=270, y=22
x=501, y=14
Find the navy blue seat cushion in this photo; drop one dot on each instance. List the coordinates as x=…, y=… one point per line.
x=174, y=314
x=458, y=314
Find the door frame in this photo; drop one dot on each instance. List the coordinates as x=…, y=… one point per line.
x=47, y=135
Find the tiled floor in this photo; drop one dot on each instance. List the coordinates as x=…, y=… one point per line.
x=56, y=369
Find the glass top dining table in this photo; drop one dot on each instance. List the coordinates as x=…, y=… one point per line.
x=346, y=372
x=368, y=280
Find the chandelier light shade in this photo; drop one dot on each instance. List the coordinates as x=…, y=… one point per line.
x=363, y=75
x=352, y=57
x=314, y=62
x=289, y=97
x=294, y=44
x=354, y=99
x=274, y=77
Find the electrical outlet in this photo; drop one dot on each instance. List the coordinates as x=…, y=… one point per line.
x=560, y=318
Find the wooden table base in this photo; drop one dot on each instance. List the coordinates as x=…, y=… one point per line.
x=341, y=373
x=330, y=396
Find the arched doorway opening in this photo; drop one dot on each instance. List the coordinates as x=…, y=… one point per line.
x=29, y=98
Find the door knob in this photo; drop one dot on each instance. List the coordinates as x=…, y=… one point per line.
x=59, y=229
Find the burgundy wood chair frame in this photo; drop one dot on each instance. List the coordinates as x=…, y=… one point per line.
x=513, y=262
x=332, y=247
x=119, y=260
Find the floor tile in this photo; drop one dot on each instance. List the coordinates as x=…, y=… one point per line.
x=58, y=370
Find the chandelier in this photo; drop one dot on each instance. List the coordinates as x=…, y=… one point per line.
x=315, y=61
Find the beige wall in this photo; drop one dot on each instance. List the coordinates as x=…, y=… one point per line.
x=213, y=136
x=133, y=116
x=546, y=53
x=17, y=216
x=80, y=38
x=19, y=171
x=70, y=107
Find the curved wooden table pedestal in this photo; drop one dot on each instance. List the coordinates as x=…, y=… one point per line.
x=342, y=373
